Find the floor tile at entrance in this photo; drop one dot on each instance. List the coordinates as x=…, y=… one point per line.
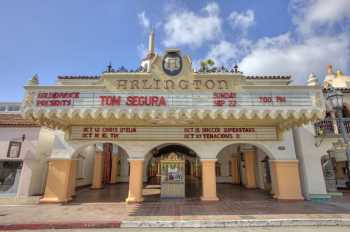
x=235, y=203
x=109, y=193
x=234, y=200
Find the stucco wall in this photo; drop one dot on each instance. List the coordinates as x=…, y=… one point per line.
x=309, y=157
x=28, y=146
x=35, y=150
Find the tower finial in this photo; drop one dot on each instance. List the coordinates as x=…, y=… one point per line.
x=330, y=69
x=151, y=43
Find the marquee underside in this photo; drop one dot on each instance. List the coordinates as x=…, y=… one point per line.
x=64, y=118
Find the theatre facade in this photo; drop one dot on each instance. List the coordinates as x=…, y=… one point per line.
x=171, y=126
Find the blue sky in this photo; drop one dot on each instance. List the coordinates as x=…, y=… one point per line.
x=81, y=37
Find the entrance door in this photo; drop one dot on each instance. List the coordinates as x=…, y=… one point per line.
x=172, y=183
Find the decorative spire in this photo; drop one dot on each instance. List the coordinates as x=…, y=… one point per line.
x=110, y=67
x=34, y=80
x=151, y=43
x=236, y=68
x=312, y=80
x=330, y=69
x=339, y=73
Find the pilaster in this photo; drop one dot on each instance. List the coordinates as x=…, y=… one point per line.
x=135, y=181
x=208, y=180
x=57, y=187
x=114, y=169
x=98, y=171
x=286, y=179
x=250, y=165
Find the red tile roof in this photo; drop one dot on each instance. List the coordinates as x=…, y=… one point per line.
x=343, y=90
x=15, y=120
x=269, y=77
x=79, y=77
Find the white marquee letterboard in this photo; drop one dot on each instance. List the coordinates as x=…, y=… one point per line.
x=172, y=133
x=156, y=99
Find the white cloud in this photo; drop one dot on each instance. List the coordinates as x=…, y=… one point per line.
x=224, y=53
x=212, y=9
x=282, y=56
x=187, y=28
x=242, y=21
x=143, y=20
x=142, y=51
x=308, y=49
x=310, y=14
x=320, y=36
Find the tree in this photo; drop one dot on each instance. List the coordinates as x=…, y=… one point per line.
x=207, y=65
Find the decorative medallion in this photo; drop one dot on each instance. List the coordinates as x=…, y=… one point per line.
x=172, y=63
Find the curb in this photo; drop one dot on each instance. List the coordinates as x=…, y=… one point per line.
x=178, y=224
x=235, y=223
x=61, y=225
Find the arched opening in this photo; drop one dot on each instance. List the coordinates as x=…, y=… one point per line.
x=243, y=171
x=172, y=171
x=101, y=173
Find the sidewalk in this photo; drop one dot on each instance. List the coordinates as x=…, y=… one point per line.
x=174, y=214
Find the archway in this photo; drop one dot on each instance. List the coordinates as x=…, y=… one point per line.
x=101, y=173
x=244, y=171
x=185, y=167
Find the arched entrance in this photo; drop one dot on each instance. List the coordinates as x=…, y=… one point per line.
x=172, y=171
x=101, y=173
x=241, y=167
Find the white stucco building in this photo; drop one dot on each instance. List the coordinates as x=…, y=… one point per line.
x=167, y=124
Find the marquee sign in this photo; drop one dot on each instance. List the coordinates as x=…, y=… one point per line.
x=147, y=99
x=172, y=133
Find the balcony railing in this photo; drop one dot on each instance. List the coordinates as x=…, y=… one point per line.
x=331, y=127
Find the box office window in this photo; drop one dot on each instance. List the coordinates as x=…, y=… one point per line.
x=14, y=149
x=9, y=176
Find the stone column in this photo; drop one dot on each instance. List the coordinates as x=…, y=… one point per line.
x=250, y=164
x=57, y=187
x=135, y=181
x=98, y=171
x=114, y=169
x=72, y=178
x=286, y=179
x=208, y=180
x=235, y=170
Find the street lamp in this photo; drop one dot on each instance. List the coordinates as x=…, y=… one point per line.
x=335, y=99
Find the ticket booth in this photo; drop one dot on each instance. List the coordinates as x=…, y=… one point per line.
x=172, y=176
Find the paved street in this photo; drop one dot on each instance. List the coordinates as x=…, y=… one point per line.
x=255, y=229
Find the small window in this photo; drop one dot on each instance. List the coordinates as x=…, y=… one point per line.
x=14, y=149
x=2, y=108
x=13, y=108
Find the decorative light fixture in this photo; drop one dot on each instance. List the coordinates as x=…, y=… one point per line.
x=335, y=98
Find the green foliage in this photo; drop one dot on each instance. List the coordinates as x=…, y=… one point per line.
x=207, y=65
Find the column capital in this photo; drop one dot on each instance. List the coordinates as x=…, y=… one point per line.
x=208, y=160
x=136, y=159
x=284, y=161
